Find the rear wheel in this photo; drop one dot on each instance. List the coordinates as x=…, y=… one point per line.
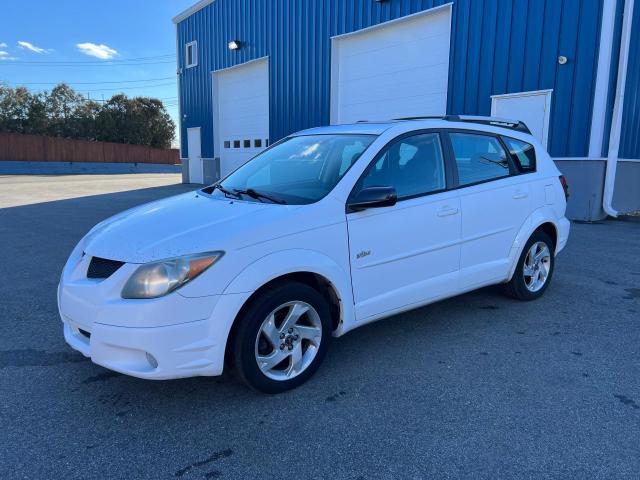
x=534, y=270
x=282, y=338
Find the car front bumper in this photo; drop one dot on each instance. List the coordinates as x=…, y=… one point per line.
x=169, y=337
x=175, y=351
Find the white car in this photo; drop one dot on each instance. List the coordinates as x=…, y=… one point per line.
x=327, y=230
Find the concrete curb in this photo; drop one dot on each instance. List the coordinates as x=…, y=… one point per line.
x=70, y=168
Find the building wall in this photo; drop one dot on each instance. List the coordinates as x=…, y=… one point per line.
x=630, y=134
x=498, y=46
x=586, y=182
x=626, y=196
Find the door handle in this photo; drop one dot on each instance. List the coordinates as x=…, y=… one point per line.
x=520, y=194
x=446, y=211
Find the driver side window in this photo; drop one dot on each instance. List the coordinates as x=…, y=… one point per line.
x=413, y=166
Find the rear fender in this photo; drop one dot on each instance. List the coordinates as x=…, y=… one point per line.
x=544, y=214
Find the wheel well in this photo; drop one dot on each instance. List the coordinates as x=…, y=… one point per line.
x=550, y=229
x=315, y=281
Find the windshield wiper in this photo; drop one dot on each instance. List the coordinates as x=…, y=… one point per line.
x=225, y=191
x=258, y=196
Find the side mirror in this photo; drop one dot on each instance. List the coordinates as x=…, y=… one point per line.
x=372, y=197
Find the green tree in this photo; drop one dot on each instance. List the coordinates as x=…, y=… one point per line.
x=139, y=121
x=14, y=108
x=63, y=112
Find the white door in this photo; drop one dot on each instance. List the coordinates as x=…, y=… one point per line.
x=409, y=253
x=396, y=69
x=196, y=175
x=494, y=206
x=532, y=108
x=241, y=113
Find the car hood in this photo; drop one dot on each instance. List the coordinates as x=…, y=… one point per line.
x=175, y=226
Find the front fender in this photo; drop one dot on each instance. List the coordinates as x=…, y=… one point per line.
x=285, y=262
x=544, y=214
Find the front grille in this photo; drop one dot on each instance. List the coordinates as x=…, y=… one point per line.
x=102, y=268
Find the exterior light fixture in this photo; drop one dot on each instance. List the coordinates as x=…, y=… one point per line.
x=562, y=60
x=234, y=45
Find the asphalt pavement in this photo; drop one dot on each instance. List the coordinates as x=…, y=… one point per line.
x=478, y=386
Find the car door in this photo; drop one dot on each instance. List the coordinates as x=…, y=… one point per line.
x=494, y=201
x=405, y=254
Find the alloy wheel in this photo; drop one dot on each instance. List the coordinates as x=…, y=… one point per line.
x=537, y=266
x=288, y=340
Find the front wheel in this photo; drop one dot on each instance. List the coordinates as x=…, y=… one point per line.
x=282, y=338
x=534, y=270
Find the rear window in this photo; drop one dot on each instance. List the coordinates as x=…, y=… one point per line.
x=522, y=153
x=479, y=158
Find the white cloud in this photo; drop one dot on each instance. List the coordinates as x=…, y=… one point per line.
x=3, y=45
x=5, y=56
x=101, y=51
x=30, y=46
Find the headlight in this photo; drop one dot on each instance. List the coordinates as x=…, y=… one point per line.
x=156, y=279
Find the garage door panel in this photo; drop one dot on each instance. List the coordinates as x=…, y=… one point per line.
x=406, y=31
x=410, y=53
x=398, y=107
x=242, y=112
x=361, y=89
x=400, y=69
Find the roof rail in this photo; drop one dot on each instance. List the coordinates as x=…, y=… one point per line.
x=493, y=121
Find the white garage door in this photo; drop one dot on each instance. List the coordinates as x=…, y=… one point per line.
x=241, y=113
x=396, y=69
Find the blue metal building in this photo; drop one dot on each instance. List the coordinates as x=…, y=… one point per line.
x=253, y=71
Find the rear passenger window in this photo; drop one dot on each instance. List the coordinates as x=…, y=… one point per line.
x=522, y=153
x=479, y=158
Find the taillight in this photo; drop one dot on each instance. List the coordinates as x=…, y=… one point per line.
x=565, y=186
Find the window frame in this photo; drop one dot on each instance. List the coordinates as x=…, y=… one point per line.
x=517, y=164
x=513, y=170
x=194, y=54
x=448, y=174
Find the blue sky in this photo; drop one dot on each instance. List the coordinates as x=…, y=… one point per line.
x=96, y=32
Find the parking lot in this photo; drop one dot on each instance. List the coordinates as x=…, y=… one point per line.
x=476, y=386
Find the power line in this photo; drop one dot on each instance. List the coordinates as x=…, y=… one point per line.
x=95, y=62
x=132, y=88
x=105, y=64
x=96, y=83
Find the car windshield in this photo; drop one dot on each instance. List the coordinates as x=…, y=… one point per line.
x=299, y=170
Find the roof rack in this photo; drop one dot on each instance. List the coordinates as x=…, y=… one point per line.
x=493, y=121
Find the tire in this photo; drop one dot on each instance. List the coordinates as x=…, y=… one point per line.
x=527, y=287
x=289, y=328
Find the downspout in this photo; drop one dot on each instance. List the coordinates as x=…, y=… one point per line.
x=618, y=106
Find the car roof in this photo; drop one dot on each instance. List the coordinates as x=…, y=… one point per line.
x=486, y=124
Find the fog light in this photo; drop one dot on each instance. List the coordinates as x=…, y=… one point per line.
x=152, y=360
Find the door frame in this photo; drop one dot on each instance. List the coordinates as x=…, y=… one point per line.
x=192, y=167
x=533, y=93
x=215, y=105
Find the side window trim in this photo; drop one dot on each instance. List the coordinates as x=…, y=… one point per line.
x=513, y=171
x=193, y=45
x=383, y=150
x=516, y=167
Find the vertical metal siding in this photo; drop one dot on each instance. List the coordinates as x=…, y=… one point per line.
x=497, y=46
x=630, y=135
x=613, y=75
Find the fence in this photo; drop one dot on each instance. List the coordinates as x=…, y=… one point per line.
x=39, y=148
